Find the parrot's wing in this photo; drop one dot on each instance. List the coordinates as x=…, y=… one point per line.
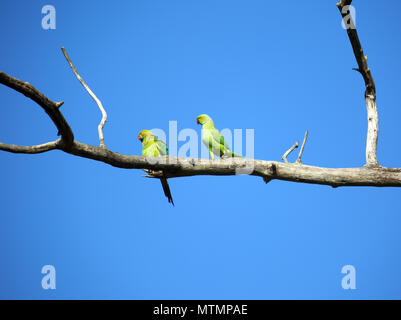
x=162, y=147
x=218, y=137
x=148, y=149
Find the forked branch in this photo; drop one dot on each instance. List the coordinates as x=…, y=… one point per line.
x=296, y=145
x=370, y=92
x=50, y=107
x=104, y=114
x=302, y=147
x=372, y=174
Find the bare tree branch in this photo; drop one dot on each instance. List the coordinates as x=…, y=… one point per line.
x=370, y=93
x=372, y=174
x=104, y=114
x=31, y=149
x=285, y=155
x=296, y=145
x=269, y=170
x=183, y=167
x=302, y=148
x=50, y=107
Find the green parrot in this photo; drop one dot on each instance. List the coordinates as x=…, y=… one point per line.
x=153, y=147
x=213, y=139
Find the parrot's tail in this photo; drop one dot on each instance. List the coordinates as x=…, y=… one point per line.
x=166, y=189
x=237, y=155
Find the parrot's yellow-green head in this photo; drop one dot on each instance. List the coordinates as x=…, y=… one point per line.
x=203, y=118
x=145, y=134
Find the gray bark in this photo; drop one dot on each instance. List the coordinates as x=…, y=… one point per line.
x=371, y=174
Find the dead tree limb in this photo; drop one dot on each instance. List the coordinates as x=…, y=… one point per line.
x=371, y=174
x=285, y=155
x=302, y=148
x=370, y=91
x=99, y=104
x=50, y=107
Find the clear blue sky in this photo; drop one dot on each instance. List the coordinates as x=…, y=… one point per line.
x=278, y=67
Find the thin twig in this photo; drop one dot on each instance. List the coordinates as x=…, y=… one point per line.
x=370, y=92
x=49, y=106
x=40, y=148
x=285, y=155
x=104, y=114
x=302, y=148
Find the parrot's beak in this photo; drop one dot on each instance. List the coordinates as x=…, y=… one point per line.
x=197, y=121
x=140, y=138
